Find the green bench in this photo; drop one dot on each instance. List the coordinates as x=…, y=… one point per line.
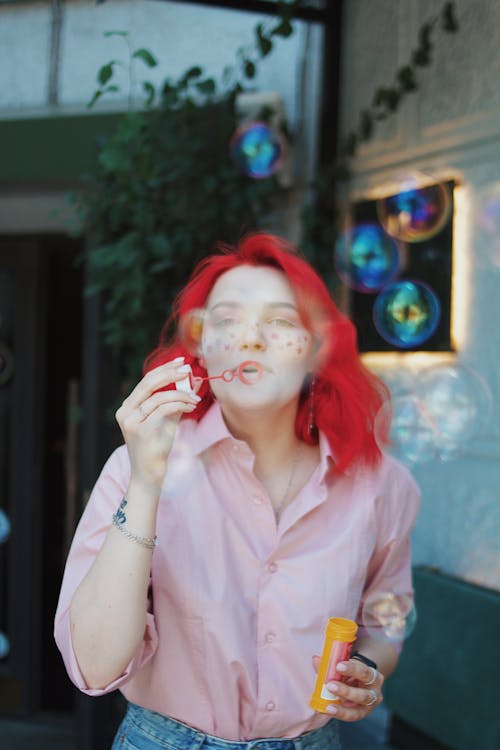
x=445, y=693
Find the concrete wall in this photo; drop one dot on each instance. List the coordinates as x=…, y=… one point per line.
x=449, y=128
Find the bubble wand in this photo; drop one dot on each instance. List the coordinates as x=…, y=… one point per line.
x=187, y=384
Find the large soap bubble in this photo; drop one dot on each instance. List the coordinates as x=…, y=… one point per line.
x=257, y=149
x=458, y=401
x=406, y=313
x=389, y=616
x=4, y=645
x=412, y=432
x=416, y=214
x=4, y=527
x=366, y=258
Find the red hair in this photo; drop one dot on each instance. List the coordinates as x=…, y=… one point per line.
x=347, y=396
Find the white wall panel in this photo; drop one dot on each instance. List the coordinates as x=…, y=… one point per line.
x=24, y=55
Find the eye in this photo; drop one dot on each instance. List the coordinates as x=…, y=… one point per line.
x=225, y=322
x=281, y=323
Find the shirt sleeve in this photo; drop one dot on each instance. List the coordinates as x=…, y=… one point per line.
x=89, y=537
x=388, y=592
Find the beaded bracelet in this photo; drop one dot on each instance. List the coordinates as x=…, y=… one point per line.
x=119, y=519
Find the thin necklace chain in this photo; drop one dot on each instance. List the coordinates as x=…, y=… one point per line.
x=280, y=505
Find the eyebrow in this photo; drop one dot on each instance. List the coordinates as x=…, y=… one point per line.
x=273, y=305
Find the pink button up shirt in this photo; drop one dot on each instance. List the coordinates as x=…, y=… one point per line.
x=240, y=603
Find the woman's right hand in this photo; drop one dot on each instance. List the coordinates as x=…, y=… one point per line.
x=148, y=421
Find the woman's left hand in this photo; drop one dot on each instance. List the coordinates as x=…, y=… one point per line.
x=359, y=692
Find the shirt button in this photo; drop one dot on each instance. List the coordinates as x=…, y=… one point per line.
x=257, y=499
x=270, y=637
x=272, y=567
x=236, y=447
x=270, y=706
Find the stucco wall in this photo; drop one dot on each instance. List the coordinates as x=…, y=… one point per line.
x=449, y=128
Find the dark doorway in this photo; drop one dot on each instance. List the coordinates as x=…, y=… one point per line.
x=60, y=500
x=43, y=332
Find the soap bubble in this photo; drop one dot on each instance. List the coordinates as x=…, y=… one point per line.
x=190, y=329
x=4, y=645
x=4, y=527
x=400, y=381
x=6, y=364
x=488, y=219
x=412, y=433
x=458, y=401
x=416, y=214
x=366, y=258
x=388, y=616
x=406, y=313
x=257, y=149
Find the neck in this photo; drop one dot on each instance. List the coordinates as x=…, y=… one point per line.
x=271, y=436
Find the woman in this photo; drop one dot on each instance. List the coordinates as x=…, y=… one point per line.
x=273, y=507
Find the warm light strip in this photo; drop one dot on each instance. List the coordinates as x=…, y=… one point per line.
x=380, y=361
x=460, y=279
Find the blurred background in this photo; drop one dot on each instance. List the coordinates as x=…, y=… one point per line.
x=134, y=135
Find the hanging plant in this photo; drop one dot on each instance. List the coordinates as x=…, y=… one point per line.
x=165, y=189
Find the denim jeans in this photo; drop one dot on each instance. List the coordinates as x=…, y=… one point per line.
x=142, y=729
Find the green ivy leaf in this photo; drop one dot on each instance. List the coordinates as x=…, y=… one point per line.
x=406, y=78
x=264, y=44
x=105, y=73
x=115, y=33
x=392, y=98
x=97, y=95
x=351, y=143
x=449, y=18
x=421, y=57
x=150, y=92
x=365, y=125
x=249, y=69
x=284, y=29
x=206, y=87
x=194, y=72
x=425, y=35
x=146, y=57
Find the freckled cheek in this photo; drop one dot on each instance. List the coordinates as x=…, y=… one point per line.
x=216, y=343
x=294, y=345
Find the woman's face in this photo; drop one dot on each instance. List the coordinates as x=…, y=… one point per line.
x=251, y=314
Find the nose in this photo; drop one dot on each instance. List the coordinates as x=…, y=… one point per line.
x=252, y=338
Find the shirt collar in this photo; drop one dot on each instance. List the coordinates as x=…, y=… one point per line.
x=212, y=429
x=209, y=430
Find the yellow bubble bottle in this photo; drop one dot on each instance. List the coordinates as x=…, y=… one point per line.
x=340, y=634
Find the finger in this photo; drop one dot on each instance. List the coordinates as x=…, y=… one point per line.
x=359, y=671
x=315, y=662
x=166, y=412
x=165, y=397
x=155, y=379
x=358, y=695
x=151, y=411
x=348, y=712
